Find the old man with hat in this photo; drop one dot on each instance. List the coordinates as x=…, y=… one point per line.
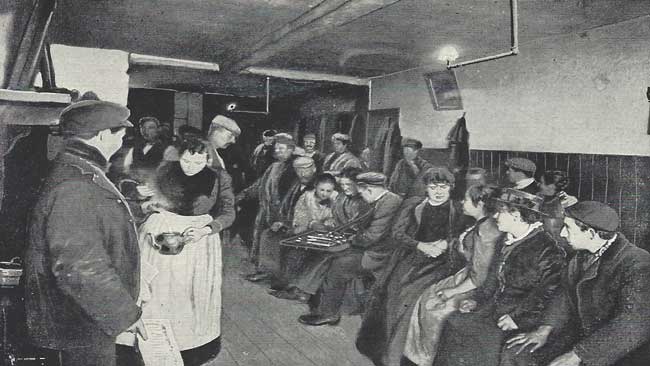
x=521, y=174
x=341, y=157
x=406, y=179
x=82, y=264
x=270, y=191
x=526, y=277
x=604, y=305
x=367, y=249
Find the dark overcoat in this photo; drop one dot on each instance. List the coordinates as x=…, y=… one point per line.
x=405, y=181
x=82, y=263
x=610, y=304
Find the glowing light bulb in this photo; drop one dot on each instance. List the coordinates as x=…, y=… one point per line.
x=448, y=54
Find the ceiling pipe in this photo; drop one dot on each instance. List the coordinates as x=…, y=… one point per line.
x=514, y=38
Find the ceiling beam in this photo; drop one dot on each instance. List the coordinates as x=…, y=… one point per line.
x=305, y=75
x=325, y=17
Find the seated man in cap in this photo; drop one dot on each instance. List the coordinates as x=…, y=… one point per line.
x=223, y=132
x=406, y=179
x=82, y=266
x=263, y=154
x=341, y=157
x=521, y=174
x=270, y=190
x=368, y=248
x=605, y=298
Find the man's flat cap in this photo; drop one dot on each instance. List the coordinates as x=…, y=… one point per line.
x=594, y=214
x=309, y=136
x=341, y=137
x=285, y=139
x=521, y=164
x=303, y=162
x=269, y=133
x=90, y=116
x=227, y=123
x=371, y=179
x=412, y=143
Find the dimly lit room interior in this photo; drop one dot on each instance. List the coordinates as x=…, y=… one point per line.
x=562, y=83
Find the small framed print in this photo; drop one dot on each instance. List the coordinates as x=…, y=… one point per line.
x=444, y=91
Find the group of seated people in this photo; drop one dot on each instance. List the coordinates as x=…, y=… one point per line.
x=456, y=271
x=445, y=268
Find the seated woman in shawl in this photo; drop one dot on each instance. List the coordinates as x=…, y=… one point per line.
x=422, y=233
x=478, y=244
x=191, y=199
x=523, y=281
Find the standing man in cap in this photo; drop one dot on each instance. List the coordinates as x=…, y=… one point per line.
x=82, y=265
x=605, y=297
x=223, y=132
x=406, y=179
x=270, y=190
x=309, y=145
x=341, y=157
x=263, y=153
x=521, y=174
x=366, y=252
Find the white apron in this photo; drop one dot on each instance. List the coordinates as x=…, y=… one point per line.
x=187, y=286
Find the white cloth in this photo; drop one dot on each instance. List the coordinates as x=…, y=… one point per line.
x=187, y=287
x=524, y=183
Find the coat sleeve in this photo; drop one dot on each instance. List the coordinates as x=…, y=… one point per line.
x=301, y=216
x=630, y=326
x=80, y=263
x=223, y=211
x=402, y=224
x=483, y=254
x=379, y=225
x=392, y=182
x=530, y=310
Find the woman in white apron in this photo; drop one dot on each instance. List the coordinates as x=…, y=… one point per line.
x=195, y=201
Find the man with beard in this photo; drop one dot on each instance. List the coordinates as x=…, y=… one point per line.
x=270, y=191
x=309, y=145
x=148, y=151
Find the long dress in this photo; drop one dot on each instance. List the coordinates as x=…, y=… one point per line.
x=186, y=288
x=385, y=324
x=478, y=245
x=525, y=278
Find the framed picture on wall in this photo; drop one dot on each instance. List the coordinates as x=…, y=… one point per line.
x=444, y=91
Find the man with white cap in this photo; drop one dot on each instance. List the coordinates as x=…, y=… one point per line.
x=223, y=132
x=341, y=157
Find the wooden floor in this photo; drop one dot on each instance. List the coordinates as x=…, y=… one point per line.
x=258, y=329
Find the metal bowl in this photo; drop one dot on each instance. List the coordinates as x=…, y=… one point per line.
x=169, y=243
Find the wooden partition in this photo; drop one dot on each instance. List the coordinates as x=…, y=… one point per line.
x=618, y=180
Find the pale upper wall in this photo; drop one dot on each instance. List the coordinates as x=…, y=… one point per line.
x=577, y=93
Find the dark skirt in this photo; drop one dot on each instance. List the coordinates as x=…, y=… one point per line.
x=385, y=324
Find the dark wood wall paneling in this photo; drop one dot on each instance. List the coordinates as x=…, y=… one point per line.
x=618, y=180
